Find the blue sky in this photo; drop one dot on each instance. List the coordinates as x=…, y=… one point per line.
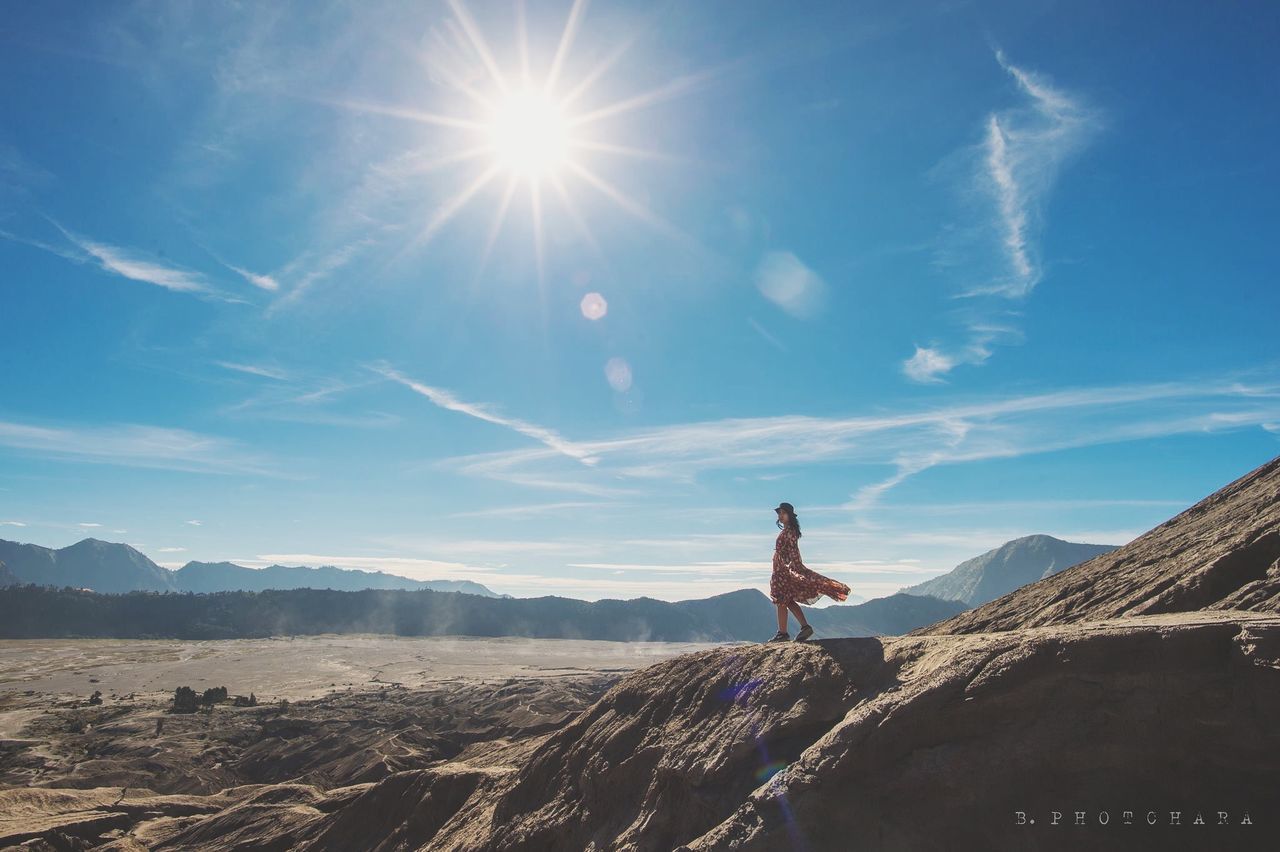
x=938, y=274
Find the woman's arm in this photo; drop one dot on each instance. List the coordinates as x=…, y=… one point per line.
x=789, y=549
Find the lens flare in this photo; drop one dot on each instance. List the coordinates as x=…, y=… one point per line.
x=618, y=372
x=593, y=306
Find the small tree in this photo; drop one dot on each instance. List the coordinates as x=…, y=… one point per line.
x=185, y=700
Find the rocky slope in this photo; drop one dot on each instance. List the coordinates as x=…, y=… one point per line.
x=1014, y=563
x=1222, y=553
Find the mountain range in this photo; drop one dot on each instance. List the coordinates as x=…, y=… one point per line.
x=113, y=568
x=745, y=614
x=1014, y=563
x=228, y=577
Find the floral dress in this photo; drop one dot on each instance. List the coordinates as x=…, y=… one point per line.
x=793, y=582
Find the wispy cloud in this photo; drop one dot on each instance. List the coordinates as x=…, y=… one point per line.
x=264, y=282
x=769, y=338
x=1015, y=166
x=12, y=524
x=311, y=268
x=18, y=177
x=907, y=443
x=133, y=445
x=446, y=400
x=128, y=264
x=255, y=370
x=1025, y=150
x=60, y=251
x=927, y=365
x=194, y=523
x=170, y=549
x=529, y=511
x=314, y=403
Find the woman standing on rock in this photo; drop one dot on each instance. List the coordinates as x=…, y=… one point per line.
x=792, y=583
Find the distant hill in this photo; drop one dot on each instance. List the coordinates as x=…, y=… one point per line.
x=1012, y=564
x=90, y=564
x=746, y=614
x=7, y=577
x=229, y=577
x=113, y=568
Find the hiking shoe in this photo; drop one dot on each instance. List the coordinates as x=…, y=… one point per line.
x=780, y=636
x=804, y=633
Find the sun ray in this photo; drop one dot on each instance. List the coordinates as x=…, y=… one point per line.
x=673, y=89
x=402, y=112
x=478, y=42
x=597, y=72
x=535, y=199
x=628, y=204
x=456, y=82
x=454, y=204
x=624, y=150
x=416, y=168
x=566, y=41
x=522, y=36
x=577, y=219
x=496, y=226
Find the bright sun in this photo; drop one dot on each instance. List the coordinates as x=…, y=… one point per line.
x=531, y=129
x=528, y=134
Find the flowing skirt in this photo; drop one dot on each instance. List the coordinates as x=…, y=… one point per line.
x=799, y=584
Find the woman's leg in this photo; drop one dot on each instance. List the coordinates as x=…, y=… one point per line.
x=782, y=617
x=798, y=613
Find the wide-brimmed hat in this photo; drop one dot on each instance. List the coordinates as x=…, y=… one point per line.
x=787, y=506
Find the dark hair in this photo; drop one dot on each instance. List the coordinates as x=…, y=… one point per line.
x=794, y=525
